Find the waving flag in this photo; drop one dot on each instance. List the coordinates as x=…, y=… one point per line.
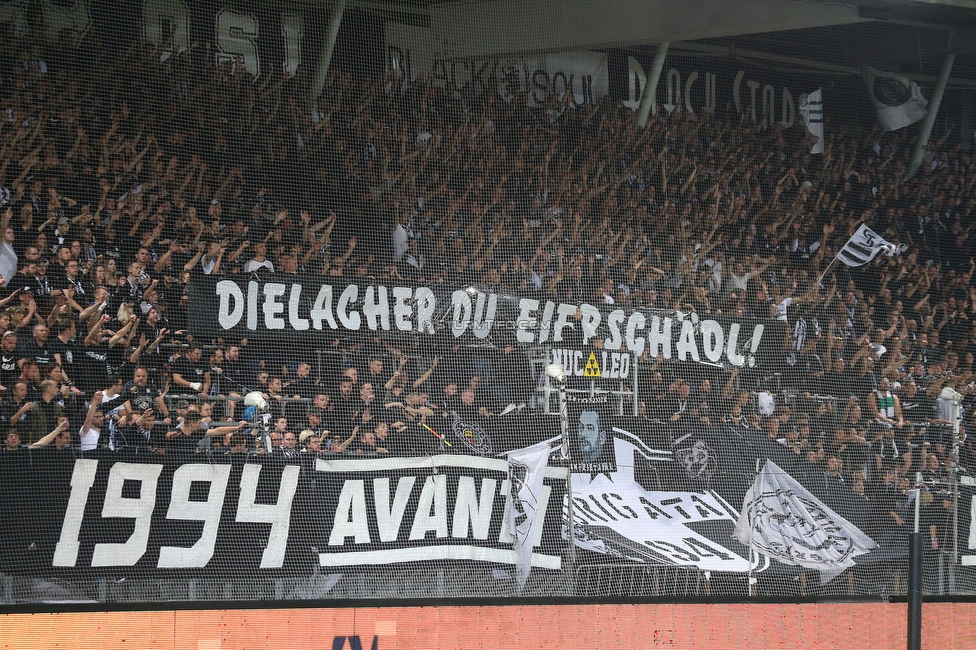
x=864, y=245
x=897, y=100
x=526, y=469
x=811, y=109
x=785, y=521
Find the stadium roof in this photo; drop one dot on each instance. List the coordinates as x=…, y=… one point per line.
x=907, y=36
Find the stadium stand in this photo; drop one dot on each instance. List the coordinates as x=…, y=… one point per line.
x=126, y=185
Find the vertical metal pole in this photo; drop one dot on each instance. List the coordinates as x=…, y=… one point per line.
x=915, y=575
x=752, y=522
x=548, y=385
x=570, y=515
x=915, y=589
x=923, y=138
x=650, y=92
x=325, y=56
x=956, y=416
x=636, y=385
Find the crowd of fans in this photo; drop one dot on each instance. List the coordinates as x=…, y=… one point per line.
x=123, y=182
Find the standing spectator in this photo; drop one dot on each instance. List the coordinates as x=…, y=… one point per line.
x=259, y=260
x=91, y=430
x=37, y=347
x=9, y=356
x=140, y=395
x=8, y=257
x=46, y=411
x=18, y=410
x=189, y=372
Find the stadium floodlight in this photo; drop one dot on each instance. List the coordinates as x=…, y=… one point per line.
x=555, y=371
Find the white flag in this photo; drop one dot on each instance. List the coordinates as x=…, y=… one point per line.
x=897, y=100
x=864, y=245
x=811, y=109
x=526, y=469
x=783, y=520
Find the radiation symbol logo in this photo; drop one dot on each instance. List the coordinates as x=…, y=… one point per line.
x=473, y=436
x=592, y=368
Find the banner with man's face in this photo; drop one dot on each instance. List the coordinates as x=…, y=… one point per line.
x=591, y=441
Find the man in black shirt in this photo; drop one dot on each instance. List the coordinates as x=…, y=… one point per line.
x=303, y=385
x=23, y=281
x=188, y=434
x=9, y=371
x=345, y=407
x=140, y=395
x=144, y=434
x=233, y=368
x=37, y=347
x=837, y=381
x=367, y=407
x=30, y=375
x=12, y=442
x=17, y=412
x=190, y=374
x=105, y=355
x=70, y=283
x=62, y=346
x=46, y=411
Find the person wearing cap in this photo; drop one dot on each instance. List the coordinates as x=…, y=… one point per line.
x=62, y=233
x=791, y=440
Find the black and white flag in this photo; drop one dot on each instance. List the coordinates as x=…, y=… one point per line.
x=811, y=109
x=897, y=100
x=526, y=469
x=864, y=245
x=784, y=521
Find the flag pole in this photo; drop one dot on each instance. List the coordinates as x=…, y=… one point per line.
x=820, y=279
x=915, y=575
x=752, y=526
